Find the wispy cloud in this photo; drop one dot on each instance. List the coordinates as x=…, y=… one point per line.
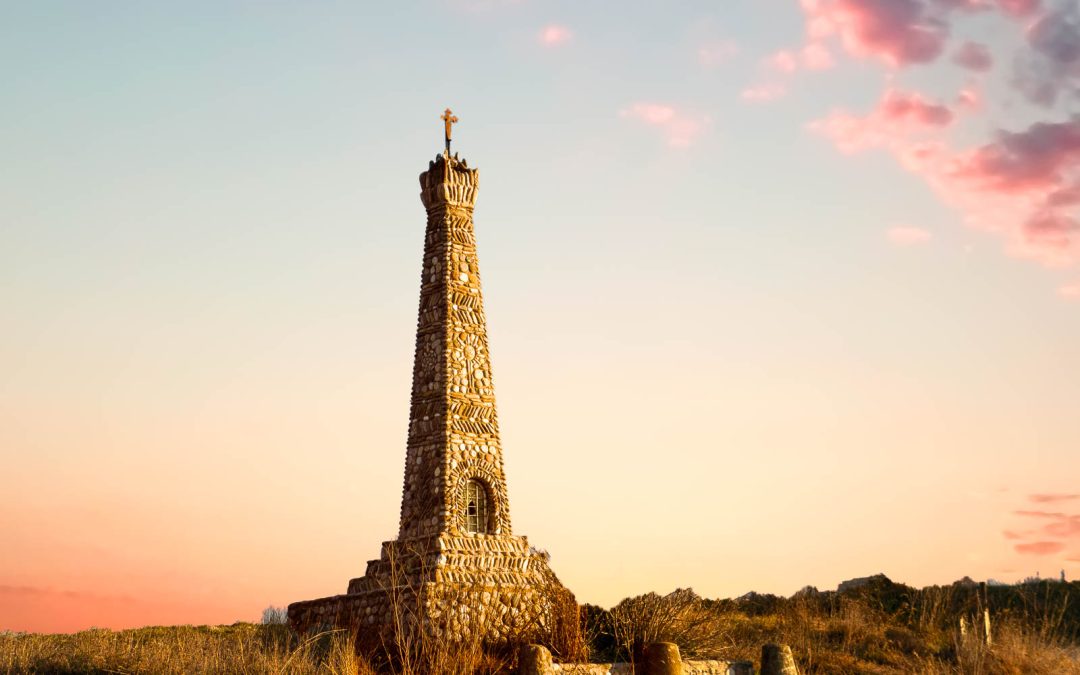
x=1070, y=291
x=1049, y=497
x=763, y=93
x=898, y=115
x=1020, y=8
x=43, y=592
x=1039, y=514
x=679, y=127
x=1040, y=548
x=903, y=235
x=813, y=56
x=969, y=99
x=554, y=35
x=785, y=61
x=717, y=53
x=1061, y=525
x=974, y=56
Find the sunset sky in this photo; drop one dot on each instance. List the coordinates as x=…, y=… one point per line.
x=779, y=293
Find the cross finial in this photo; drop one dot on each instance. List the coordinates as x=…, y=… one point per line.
x=449, y=119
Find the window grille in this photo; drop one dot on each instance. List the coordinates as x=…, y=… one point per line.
x=476, y=507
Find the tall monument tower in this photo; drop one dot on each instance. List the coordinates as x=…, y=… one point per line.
x=454, y=544
x=453, y=469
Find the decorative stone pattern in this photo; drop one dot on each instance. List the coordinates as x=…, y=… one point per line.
x=447, y=578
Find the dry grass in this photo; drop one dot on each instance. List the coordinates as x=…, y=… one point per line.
x=680, y=617
x=240, y=648
x=887, y=628
x=891, y=630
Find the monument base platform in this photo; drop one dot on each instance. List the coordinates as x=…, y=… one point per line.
x=450, y=586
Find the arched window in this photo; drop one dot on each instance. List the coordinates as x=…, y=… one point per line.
x=476, y=507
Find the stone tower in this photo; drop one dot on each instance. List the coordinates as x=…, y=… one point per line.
x=454, y=547
x=453, y=431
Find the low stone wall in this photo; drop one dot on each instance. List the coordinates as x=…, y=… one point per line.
x=660, y=658
x=688, y=668
x=497, y=613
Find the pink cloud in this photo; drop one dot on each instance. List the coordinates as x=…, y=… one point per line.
x=1019, y=7
x=901, y=107
x=969, y=99
x=1040, y=548
x=1037, y=159
x=763, y=93
x=554, y=35
x=1049, y=229
x=785, y=61
x=900, y=32
x=898, y=115
x=813, y=56
x=1070, y=291
x=1061, y=525
x=974, y=56
x=816, y=56
x=1040, y=514
x=679, y=128
x=717, y=53
x=1023, y=185
x=1043, y=497
x=1029, y=176
x=1009, y=534
x=908, y=236
x=1064, y=528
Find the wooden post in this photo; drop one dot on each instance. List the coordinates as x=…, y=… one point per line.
x=985, y=590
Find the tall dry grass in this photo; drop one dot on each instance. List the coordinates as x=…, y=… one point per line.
x=886, y=633
x=240, y=648
x=888, y=630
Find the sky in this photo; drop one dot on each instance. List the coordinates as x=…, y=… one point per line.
x=778, y=293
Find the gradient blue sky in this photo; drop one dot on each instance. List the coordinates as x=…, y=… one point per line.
x=729, y=354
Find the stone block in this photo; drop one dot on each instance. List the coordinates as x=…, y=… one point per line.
x=777, y=660
x=662, y=658
x=535, y=660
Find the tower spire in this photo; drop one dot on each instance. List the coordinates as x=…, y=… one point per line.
x=453, y=430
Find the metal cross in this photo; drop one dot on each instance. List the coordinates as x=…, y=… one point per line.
x=449, y=119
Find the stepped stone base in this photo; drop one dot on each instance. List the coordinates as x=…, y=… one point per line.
x=456, y=585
